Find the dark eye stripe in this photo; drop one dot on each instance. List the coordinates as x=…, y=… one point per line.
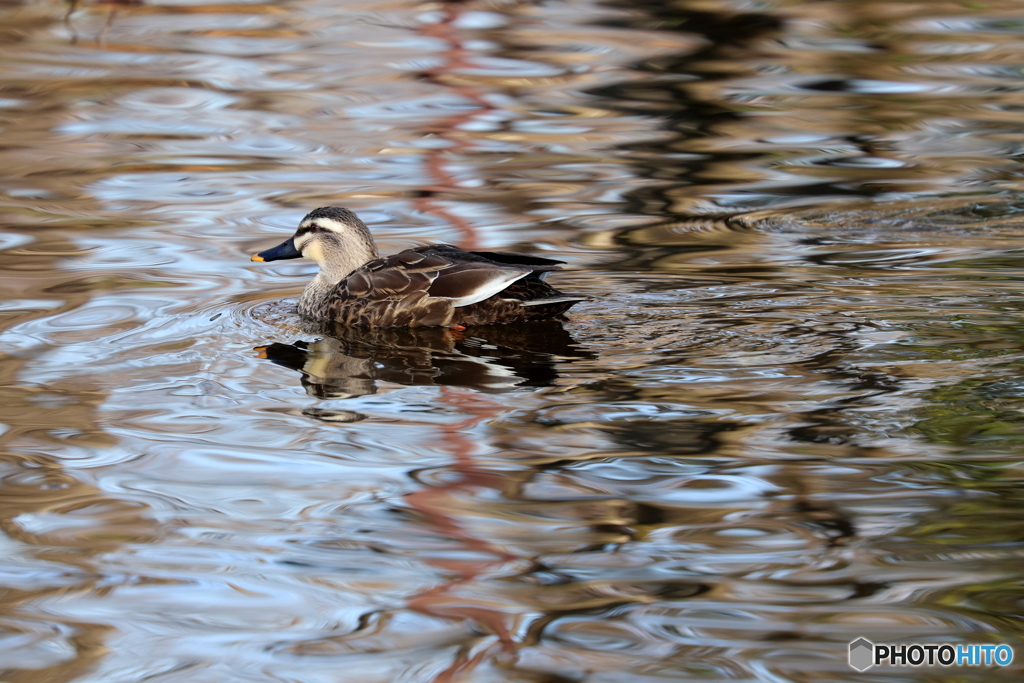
x=308, y=229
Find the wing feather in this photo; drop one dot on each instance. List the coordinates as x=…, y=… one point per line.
x=427, y=285
x=468, y=283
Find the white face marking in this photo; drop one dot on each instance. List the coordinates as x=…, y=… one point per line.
x=312, y=250
x=311, y=243
x=302, y=242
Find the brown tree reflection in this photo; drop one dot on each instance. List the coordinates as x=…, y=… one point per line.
x=55, y=523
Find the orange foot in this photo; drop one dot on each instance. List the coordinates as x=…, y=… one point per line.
x=457, y=328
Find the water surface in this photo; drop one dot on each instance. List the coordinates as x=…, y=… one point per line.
x=790, y=417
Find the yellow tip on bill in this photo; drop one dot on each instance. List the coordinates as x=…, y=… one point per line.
x=256, y=257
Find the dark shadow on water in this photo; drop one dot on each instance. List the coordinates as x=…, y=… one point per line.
x=348, y=362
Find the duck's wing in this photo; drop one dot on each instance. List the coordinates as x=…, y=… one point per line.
x=434, y=285
x=392, y=292
x=410, y=271
x=468, y=283
x=394, y=277
x=434, y=275
x=537, y=264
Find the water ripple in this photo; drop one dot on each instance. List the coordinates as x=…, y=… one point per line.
x=787, y=419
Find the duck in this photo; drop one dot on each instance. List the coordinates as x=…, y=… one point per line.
x=438, y=285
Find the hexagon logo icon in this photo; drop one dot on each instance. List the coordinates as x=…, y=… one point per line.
x=862, y=654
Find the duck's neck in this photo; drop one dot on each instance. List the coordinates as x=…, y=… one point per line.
x=335, y=267
x=316, y=297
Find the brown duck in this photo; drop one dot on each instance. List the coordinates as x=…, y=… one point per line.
x=436, y=285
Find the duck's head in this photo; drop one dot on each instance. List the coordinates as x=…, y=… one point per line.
x=332, y=236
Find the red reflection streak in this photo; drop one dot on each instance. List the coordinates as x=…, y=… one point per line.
x=460, y=665
x=435, y=506
x=439, y=504
x=114, y=5
x=455, y=58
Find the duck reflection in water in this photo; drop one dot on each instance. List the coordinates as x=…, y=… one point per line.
x=348, y=362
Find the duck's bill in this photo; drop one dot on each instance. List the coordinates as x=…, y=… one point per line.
x=282, y=251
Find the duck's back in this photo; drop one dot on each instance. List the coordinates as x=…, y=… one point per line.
x=444, y=285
